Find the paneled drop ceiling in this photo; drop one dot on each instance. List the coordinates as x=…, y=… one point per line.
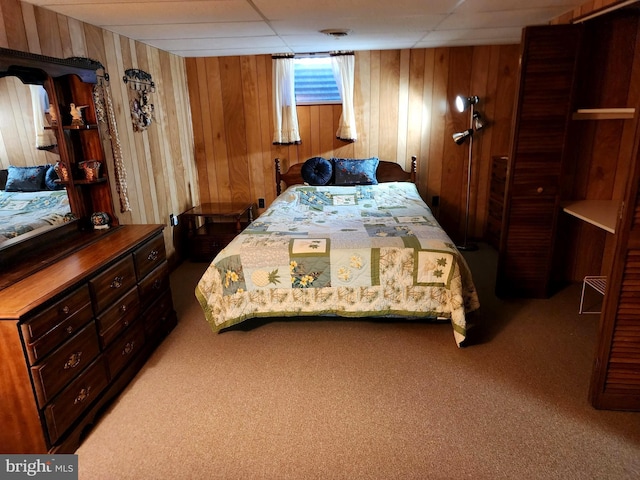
x=198, y=28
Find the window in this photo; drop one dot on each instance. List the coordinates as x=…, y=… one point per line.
x=314, y=81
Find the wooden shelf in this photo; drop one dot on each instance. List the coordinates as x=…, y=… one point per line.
x=82, y=181
x=88, y=126
x=604, y=113
x=601, y=213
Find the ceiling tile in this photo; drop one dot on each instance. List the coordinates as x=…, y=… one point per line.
x=139, y=13
x=194, y=30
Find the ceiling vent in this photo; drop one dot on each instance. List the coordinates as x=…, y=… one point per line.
x=336, y=32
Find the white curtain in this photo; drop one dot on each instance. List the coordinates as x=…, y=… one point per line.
x=343, y=65
x=284, y=102
x=45, y=139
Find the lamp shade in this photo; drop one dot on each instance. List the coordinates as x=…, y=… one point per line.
x=478, y=123
x=460, y=137
x=462, y=103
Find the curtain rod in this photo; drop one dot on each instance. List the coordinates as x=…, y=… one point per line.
x=313, y=54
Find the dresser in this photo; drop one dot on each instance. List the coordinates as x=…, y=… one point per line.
x=74, y=333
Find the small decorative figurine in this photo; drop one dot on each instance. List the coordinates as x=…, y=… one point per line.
x=100, y=220
x=76, y=115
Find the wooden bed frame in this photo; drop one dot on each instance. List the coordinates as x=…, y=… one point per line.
x=387, y=172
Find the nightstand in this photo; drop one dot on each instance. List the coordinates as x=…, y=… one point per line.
x=211, y=226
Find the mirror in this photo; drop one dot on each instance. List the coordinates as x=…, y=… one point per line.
x=25, y=141
x=66, y=82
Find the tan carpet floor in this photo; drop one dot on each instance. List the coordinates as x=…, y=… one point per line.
x=342, y=399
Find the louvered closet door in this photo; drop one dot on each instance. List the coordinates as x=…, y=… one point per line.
x=543, y=108
x=615, y=383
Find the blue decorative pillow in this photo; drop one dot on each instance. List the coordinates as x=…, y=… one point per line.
x=50, y=178
x=317, y=171
x=350, y=171
x=25, y=179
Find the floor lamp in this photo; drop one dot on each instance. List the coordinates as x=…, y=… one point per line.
x=475, y=124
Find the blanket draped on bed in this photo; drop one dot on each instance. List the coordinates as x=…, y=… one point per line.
x=22, y=212
x=358, y=251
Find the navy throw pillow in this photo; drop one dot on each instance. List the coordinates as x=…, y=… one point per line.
x=25, y=179
x=50, y=178
x=351, y=171
x=317, y=171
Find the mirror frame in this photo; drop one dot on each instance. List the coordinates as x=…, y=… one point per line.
x=32, y=68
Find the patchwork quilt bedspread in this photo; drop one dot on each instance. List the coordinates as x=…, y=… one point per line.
x=22, y=212
x=356, y=251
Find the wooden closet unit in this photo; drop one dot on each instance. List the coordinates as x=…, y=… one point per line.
x=496, y=200
x=73, y=334
x=540, y=128
x=575, y=146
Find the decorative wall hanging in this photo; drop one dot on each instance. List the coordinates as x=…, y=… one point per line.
x=141, y=87
x=106, y=114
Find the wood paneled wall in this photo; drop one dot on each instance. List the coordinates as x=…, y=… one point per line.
x=17, y=132
x=404, y=106
x=161, y=174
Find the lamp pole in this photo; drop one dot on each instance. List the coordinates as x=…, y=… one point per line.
x=468, y=246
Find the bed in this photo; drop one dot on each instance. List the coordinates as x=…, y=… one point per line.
x=29, y=205
x=367, y=247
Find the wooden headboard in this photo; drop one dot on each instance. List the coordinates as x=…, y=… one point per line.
x=387, y=172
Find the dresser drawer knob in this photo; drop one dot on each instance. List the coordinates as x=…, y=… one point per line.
x=128, y=348
x=126, y=323
x=153, y=256
x=69, y=329
x=73, y=361
x=123, y=308
x=540, y=190
x=82, y=395
x=157, y=284
x=65, y=309
x=117, y=282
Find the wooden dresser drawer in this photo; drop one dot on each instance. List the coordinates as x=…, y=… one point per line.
x=124, y=349
x=51, y=375
x=118, y=317
x=149, y=256
x=60, y=333
x=159, y=318
x=112, y=283
x=57, y=313
x=73, y=400
x=154, y=284
x=74, y=333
